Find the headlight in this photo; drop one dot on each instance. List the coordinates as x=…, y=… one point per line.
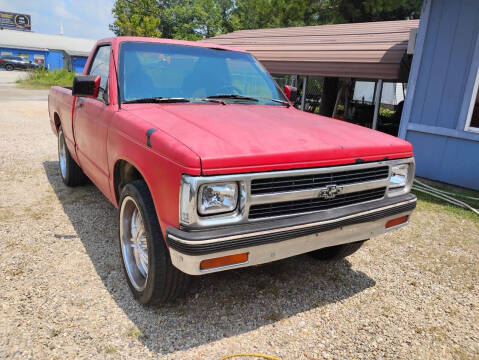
x=399, y=175
x=217, y=198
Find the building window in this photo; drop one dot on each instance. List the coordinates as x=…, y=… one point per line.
x=472, y=122
x=39, y=59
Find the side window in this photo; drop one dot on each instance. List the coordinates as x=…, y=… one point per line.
x=101, y=66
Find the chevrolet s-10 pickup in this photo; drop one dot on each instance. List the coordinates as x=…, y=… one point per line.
x=212, y=168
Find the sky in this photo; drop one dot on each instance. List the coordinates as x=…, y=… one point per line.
x=81, y=18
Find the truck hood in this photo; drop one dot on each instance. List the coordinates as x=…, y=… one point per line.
x=243, y=138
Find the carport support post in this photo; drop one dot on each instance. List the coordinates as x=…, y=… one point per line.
x=294, y=80
x=377, y=102
x=329, y=95
x=303, y=94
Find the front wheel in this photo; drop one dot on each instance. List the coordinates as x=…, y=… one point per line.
x=337, y=252
x=9, y=67
x=146, y=261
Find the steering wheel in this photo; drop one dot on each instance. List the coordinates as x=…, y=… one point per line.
x=228, y=89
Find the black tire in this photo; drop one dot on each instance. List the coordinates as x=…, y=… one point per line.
x=9, y=67
x=72, y=174
x=163, y=282
x=337, y=252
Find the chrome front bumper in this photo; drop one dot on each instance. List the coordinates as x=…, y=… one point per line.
x=274, y=240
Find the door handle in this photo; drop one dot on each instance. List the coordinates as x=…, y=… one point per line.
x=79, y=103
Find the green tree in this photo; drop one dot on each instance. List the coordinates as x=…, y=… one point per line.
x=174, y=19
x=226, y=10
x=198, y=19
x=375, y=10
x=139, y=18
x=252, y=14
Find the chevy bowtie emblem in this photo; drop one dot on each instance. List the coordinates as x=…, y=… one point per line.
x=330, y=191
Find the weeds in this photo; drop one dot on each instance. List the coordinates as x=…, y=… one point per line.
x=42, y=79
x=134, y=332
x=110, y=349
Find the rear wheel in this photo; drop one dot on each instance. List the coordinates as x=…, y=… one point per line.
x=70, y=172
x=337, y=252
x=146, y=261
x=9, y=67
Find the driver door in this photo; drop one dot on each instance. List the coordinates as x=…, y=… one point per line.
x=91, y=121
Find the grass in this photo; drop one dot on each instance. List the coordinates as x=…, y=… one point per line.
x=429, y=201
x=134, y=332
x=42, y=79
x=110, y=349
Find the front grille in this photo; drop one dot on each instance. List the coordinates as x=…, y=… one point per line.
x=302, y=182
x=316, y=204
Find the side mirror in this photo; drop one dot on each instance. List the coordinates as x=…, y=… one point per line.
x=291, y=93
x=86, y=85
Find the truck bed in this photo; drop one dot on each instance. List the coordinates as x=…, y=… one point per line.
x=61, y=102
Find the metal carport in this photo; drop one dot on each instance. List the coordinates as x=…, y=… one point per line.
x=373, y=50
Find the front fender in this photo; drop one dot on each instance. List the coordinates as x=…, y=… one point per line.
x=160, y=171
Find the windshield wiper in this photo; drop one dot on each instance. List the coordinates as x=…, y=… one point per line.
x=281, y=102
x=216, y=101
x=232, y=96
x=157, y=100
x=241, y=97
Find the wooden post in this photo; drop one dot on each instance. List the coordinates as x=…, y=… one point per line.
x=377, y=102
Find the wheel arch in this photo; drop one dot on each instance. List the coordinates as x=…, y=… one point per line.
x=124, y=172
x=56, y=121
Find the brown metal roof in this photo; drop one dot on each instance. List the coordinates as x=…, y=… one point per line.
x=361, y=50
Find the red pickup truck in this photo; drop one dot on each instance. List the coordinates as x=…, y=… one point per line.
x=212, y=168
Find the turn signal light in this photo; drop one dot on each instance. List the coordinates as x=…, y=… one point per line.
x=397, y=221
x=224, y=261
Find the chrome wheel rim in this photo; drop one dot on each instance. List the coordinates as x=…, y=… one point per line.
x=134, y=246
x=62, y=154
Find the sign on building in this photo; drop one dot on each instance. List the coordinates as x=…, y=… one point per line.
x=15, y=21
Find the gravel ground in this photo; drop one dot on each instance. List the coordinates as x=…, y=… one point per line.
x=412, y=293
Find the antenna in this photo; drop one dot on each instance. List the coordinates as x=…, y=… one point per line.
x=61, y=27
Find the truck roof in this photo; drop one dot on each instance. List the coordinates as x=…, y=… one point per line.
x=120, y=39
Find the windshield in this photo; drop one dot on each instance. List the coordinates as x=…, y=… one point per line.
x=154, y=70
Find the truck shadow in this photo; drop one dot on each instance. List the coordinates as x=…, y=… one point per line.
x=217, y=305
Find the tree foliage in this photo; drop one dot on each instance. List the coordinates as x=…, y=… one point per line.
x=198, y=19
x=376, y=10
